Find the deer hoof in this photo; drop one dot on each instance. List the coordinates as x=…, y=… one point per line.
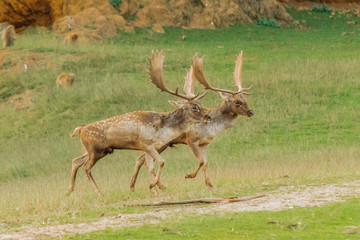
x=209, y=185
x=70, y=190
x=189, y=176
x=152, y=185
x=160, y=186
x=155, y=192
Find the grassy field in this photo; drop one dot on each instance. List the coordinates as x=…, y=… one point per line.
x=333, y=221
x=306, y=98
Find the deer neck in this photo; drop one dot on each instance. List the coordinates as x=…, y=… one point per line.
x=224, y=114
x=176, y=120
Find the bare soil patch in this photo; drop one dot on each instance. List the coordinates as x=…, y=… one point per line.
x=282, y=199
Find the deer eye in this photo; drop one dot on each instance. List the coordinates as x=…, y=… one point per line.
x=195, y=107
x=237, y=102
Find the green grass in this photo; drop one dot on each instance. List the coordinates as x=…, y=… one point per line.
x=268, y=23
x=305, y=98
x=331, y=221
x=115, y=3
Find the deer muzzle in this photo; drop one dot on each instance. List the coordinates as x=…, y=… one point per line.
x=250, y=113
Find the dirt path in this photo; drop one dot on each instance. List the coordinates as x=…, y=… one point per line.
x=281, y=199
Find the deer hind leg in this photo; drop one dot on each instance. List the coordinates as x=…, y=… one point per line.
x=76, y=164
x=94, y=156
x=200, y=154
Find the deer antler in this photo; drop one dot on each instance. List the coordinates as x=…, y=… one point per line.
x=189, y=83
x=157, y=76
x=199, y=74
x=197, y=64
x=237, y=73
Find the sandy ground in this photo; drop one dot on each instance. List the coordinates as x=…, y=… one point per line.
x=281, y=199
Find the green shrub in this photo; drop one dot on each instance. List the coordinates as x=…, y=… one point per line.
x=268, y=23
x=115, y=3
x=131, y=17
x=321, y=8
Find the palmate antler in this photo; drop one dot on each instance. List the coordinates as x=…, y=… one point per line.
x=189, y=83
x=237, y=72
x=197, y=64
x=157, y=77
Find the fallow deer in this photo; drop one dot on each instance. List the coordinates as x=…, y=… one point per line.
x=223, y=116
x=141, y=130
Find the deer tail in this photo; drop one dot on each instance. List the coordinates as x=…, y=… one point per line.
x=77, y=130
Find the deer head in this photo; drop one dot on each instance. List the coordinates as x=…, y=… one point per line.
x=190, y=104
x=234, y=100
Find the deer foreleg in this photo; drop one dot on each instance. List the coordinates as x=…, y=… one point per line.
x=139, y=162
x=155, y=155
x=206, y=175
x=149, y=163
x=152, y=172
x=200, y=154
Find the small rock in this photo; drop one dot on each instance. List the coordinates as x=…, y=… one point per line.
x=352, y=229
x=157, y=28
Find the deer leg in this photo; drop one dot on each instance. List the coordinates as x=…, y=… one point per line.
x=200, y=154
x=159, y=184
x=206, y=175
x=76, y=164
x=139, y=162
x=93, y=158
x=150, y=166
x=207, y=181
x=152, y=173
x=155, y=155
x=170, y=144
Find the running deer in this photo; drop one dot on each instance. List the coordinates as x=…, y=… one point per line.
x=141, y=130
x=223, y=116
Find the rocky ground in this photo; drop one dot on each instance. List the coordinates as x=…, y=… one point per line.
x=95, y=20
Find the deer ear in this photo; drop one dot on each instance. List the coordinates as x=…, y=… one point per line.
x=177, y=104
x=225, y=95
